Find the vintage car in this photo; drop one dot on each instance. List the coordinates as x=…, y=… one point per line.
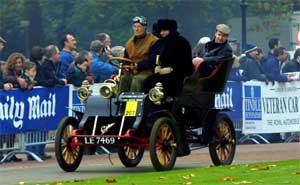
x=134, y=121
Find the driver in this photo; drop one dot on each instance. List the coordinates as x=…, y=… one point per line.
x=139, y=49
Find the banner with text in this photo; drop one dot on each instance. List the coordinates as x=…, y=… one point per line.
x=231, y=98
x=38, y=109
x=272, y=108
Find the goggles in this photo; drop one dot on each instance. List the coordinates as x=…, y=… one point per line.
x=140, y=19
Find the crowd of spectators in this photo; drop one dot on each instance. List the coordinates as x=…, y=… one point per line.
x=50, y=67
x=252, y=64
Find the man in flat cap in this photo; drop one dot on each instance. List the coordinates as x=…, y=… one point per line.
x=215, y=51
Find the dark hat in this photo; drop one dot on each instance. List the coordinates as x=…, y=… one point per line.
x=250, y=47
x=167, y=24
x=232, y=40
x=140, y=19
x=2, y=40
x=223, y=28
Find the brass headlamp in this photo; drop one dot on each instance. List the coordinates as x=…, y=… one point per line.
x=84, y=91
x=156, y=94
x=109, y=88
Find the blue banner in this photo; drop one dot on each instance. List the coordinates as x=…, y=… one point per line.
x=43, y=108
x=76, y=103
x=38, y=109
x=253, y=107
x=231, y=99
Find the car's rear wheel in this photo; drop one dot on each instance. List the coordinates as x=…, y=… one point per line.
x=222, y=147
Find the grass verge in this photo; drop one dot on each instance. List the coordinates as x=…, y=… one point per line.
x=266, y=173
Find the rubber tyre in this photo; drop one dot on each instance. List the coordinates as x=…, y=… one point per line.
x=130, y=156
x=67, y=157
x=162, y=141
x=222, y=147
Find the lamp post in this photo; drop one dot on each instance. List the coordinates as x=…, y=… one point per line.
x=244, y=5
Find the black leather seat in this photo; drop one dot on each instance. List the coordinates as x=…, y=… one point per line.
x=200, y=91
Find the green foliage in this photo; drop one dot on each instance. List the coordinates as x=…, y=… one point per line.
x=272, y=11
x=84, y=19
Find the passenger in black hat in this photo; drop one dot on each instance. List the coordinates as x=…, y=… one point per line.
x=175, y=63
x=175, y=58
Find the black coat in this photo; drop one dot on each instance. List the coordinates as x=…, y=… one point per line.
x=175, y=51
x=48, y=74
x=214, y=53
x=291, y=66
x=253, y=69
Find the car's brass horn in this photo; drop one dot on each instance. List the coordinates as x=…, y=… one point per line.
x=84, y=92
x=156, y=94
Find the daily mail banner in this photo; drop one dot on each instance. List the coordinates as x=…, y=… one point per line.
x=231, y=98
x=271, y=108
x=38, y=109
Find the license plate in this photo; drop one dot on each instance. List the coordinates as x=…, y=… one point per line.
x=130, y=109
x=99, y=140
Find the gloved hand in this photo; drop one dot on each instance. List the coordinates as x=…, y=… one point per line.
x=163, y=71
x=157, y=69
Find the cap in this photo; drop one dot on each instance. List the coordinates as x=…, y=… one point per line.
x=223, y=28
x=140, y=19
x=2, y=40
x=250, y=47
x=232, y=40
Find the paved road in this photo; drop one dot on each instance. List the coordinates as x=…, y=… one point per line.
x=98, y=165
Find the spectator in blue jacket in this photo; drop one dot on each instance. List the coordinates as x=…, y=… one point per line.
x=106, y=40
x=100, y=69
x=272, y=66
x=273, y=44
x=66, y=58
x=49, y=73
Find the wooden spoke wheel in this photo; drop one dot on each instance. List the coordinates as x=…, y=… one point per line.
x=163, y=144
x=131, y=156
x=222, y=148
x=67, y=156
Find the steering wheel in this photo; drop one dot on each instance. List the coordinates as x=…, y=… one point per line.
x=111, y=59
